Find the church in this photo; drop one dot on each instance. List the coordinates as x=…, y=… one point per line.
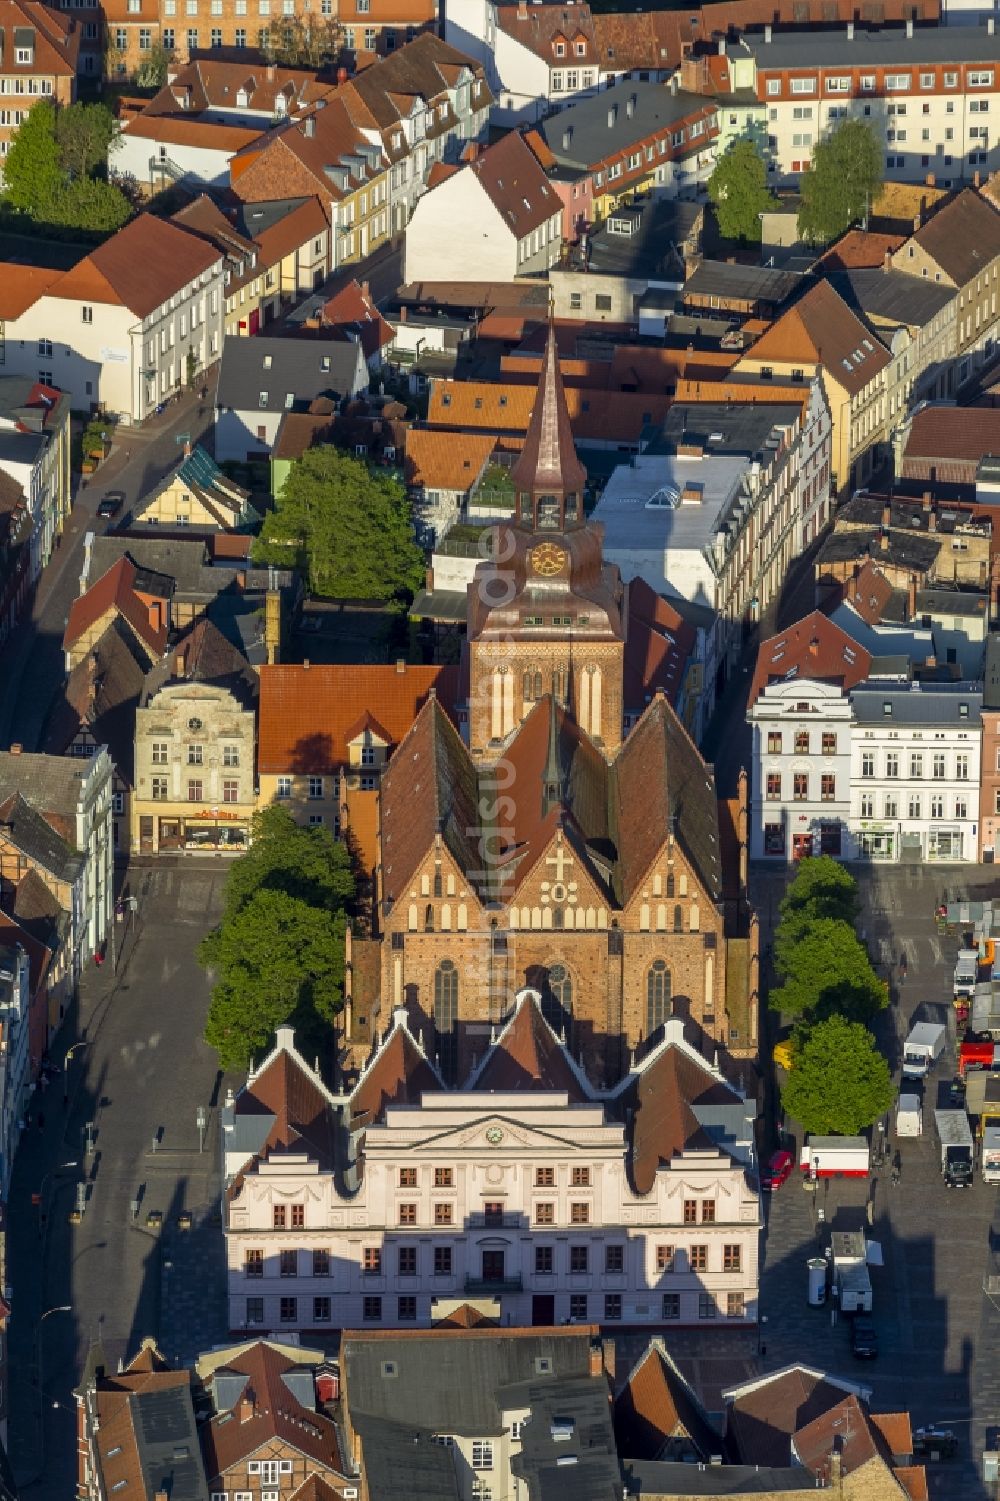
x=548, y=848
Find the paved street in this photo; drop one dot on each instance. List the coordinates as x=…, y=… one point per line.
x=938, y=1334
x=143, y=1072
x=31, y=665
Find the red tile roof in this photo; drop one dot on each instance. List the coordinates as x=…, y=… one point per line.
x=947, y=432
x=664, y=1124
x=115, y=590
x=140, y=267
x=857, y=249
x=21, y=286
x=399, y=1074
x=820, y=329
x=515, y=184
x=306, y=712
x=352, y=307
x=276, y=1414
x=288, y=1089
x=656, y=1405
x=658, y=647
x=763, y=1416
x=812, y=648
x=869, y=593
x=528, y=1055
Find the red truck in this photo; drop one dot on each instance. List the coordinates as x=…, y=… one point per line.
x=976, y=1055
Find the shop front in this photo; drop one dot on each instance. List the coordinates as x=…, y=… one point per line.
x=878, y=842
x=206, y=829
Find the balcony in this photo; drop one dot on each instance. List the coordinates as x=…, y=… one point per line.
x=494, y=1221
x=492, y=1287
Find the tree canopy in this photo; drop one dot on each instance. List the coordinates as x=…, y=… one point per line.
x=55, y=169
x=825, y=972
x=303, y=42
x=347, y=527
x=840, y=1083
x=842, y=182
x=278, y=952
x=738, y=189
x=822, y=888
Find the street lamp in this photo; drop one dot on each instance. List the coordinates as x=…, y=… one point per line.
x=59, y=1308
x=201, y=1121
x=61, y=1167
x=69, y=1056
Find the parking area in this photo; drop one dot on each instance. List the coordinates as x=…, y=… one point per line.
x=937, y=1330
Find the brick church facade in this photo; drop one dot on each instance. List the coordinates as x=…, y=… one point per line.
x=547, y=851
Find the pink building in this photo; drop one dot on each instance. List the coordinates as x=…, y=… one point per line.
x=526, y=1186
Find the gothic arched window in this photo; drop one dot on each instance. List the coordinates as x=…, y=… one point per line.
x=657, y=995
x=446, y=1018
x=557, y=998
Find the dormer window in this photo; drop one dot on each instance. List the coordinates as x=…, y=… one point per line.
x=263, y=398
x=268, y=361
x=560, y=49
x=242, y=99
x=581, y=49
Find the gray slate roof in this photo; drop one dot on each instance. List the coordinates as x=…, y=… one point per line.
x=592, y=138
x=168, y=1444
x=645, y=1477
x=913, y=704
x=908, y=300
x=51, y=783
x=299, y=371
x=27, y=831
x=583, y=1467
x=890, y=48
x=450, y=1383
x=760, y=283
x=400, y=1462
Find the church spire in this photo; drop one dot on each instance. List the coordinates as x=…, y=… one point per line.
x=548, y=477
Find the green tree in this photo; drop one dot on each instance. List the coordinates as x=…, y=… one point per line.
x=89, y=203
x=87, y=134
x=278, y=953
x=822, y=888
x=826, y=972
x=152, y=70
x=842, y=182
x=347, y=527
x=32, y=169
x=840, y=1083
x=738, y=189
x=303, y=42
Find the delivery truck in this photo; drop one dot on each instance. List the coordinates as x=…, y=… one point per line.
x=835, y=1157
x=982, y=1099
x=984, y=1013
x=977, y=1055
x=923, y=1048
x=955, y=1141
x=850, y=1271
x=909, y=1118
x=966, y=972
x=991, y=1154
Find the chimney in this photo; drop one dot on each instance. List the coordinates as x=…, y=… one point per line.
x=566, y=137
x=909, y=30
x=932, y=520
x=16, y=748
x=887, y=262
x=814, y=647
x=850, y=31
x=366, y=290
x=884, y=541
x=767, y=34
x=722, y=46
x=596, y=1358
x=402, y=315
x=926, y=501
x=247, y=1405
x=180, y=662
x=930, y=180
x=911, y=595
x=305, y=664
x=886, y=515
x=612, y=115
x=400, y=665
x=309, y=128
x=608, y=1346
x=991, y=26
x=270, y=73
x=917, y=221
x=187, y=448
x=522, y=10
x=836, y=1459
x=976, y=179
x=630, y=104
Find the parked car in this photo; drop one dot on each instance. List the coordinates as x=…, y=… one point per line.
x=934, y=1440
x=864, y=1340
x=777, y=1172
x=111, y=503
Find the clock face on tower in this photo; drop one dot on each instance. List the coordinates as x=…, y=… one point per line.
x=547, y=559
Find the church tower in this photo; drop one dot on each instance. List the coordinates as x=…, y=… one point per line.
x=545, y=612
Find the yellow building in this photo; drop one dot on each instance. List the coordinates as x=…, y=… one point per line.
x=197, y=493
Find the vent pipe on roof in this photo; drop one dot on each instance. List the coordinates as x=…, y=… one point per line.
x=630, y=104
x=309, y=128
x=767, y=35
x=722, y=46
x=909, y=30
x=612, y=115
x=991, y=26
x=850, y=31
